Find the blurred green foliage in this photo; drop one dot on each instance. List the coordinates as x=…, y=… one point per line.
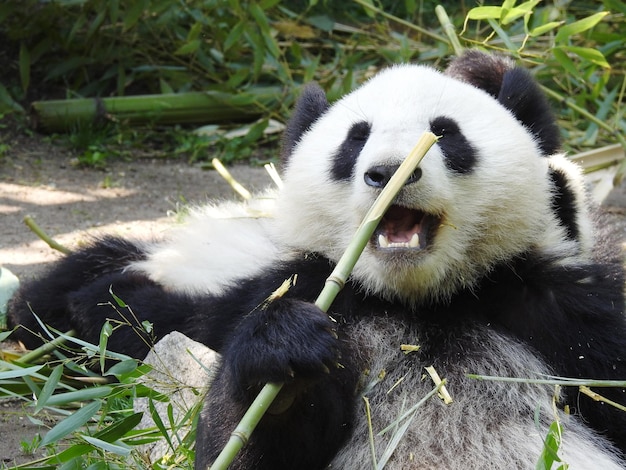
x=85, y=48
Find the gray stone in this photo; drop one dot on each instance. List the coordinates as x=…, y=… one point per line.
x=182, y=370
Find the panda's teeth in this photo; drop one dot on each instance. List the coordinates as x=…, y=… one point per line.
x=383, y=242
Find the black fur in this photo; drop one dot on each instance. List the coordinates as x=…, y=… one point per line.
x=349, y=150
x=459, y=153
x=309, y=107
x=564, y=204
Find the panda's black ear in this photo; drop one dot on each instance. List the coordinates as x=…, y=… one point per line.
x=515, y=89
x=311, y=104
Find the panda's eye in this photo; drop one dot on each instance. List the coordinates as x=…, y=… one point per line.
x=359, y=132
x=459, y=153
x=346, y=155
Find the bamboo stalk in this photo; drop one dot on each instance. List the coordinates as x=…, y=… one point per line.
x=171, y=108
x=448, y=28
x=37, y=230
x=44, y=348
x=334, y=283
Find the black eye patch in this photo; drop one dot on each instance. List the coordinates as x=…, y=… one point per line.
x=346, y=155
x=460, y=155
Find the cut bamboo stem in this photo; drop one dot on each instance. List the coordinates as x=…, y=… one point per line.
x=37, y=230
x=334, y=284
x=172, y=108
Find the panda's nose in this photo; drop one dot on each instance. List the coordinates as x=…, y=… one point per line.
x=378, y=176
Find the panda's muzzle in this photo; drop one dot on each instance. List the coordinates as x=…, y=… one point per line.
x=402, y=228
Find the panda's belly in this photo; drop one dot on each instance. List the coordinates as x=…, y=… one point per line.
x=489, y=424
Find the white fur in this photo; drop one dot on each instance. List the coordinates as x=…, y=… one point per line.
x=477, y=231
x=217, y=245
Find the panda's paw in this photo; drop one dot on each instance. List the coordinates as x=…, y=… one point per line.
x=287, y=340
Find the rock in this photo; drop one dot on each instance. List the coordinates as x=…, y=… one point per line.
x=182, y=370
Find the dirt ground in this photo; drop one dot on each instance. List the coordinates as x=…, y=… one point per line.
x=131, y=198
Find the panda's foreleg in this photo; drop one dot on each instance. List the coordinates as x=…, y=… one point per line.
x=287, y=341
x=47, y=296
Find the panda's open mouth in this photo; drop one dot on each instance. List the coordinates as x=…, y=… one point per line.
x=404, y=228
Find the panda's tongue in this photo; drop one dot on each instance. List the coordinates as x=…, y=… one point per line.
x=400, y=228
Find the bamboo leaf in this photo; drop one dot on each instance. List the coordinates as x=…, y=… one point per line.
x=154, y=414
x=7, y=103
x=122, y=368
x=188, y=48
x=49, y=387
x=550, y=448
x=544, y=28
x=132, y=15
x=194, y=31
x=84, y=394
x=578, y=27
x=587, y=53
x=119, y=429
x=562, y=58
x=118, y=449
x=72, y=452
x=234, y=35
x=71, y=423
x=525, y=8
x=105, y=333
x=484, y=13
x=19, y=372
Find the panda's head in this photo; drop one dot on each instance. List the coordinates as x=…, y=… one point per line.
x=490, y=189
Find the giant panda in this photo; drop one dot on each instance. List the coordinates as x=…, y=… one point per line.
x=486, y=263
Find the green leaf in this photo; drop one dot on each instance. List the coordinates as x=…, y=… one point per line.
x=119, y=429
x=519, y=11
x=189, y=47
x=7, y=103
x=234, y=35
x=165, y=87
x=578, y=27
x=587, y=53
x=194, y=31
x=72, y=452
x=550, y=448
x=132, y=15
x=118, y=449
x=49, y=387
x=484, y=13
x=71, y=423
x=159, y=422
x=544, y=28
x=564, y=61
x=105, y=334
x=84, y=394
x=121, y=368
x=19, y=372
x=24, y=63
x=4, y=335
x=118, y=301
